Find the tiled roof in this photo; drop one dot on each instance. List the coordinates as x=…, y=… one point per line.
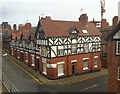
x=25, y=34
x=113, y=32
x=53, y=28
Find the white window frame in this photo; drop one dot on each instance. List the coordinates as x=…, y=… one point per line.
x=86, y=47
x=59, y=71
x=18, y=53
x=12, y=51
x=95, y=62
x=84, y=31
x=33, y=60
x=118, y=47
x=26, y=56
x=60, y=51
x=84, y=59
x=44, y=68
x=119, y=73
x=74, y=48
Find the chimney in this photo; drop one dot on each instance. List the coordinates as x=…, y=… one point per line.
x=5, y=25
x=14, y=27
x=115, y=21
x=103, y=24
x=28, y=26
x=84, y=19
x=21, y=27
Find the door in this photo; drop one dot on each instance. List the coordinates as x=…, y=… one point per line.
x=37, y=64
x=73, y=68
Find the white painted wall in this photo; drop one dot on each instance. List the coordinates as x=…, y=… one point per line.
x=55, y=50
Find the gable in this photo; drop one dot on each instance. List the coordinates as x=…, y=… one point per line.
x=117, y=35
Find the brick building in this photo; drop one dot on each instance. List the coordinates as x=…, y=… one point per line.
x=67, y=47
x=114, y=59
x=58, y=48
x=105, y=30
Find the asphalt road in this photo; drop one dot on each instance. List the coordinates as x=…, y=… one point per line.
x=25, y=83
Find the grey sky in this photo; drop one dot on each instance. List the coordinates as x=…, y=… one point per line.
x=21, y=11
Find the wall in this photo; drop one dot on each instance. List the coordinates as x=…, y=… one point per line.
x=52, y=72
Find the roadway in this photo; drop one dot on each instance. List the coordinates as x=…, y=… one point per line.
x=25, y=82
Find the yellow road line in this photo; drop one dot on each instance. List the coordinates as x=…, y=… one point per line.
x=26, y=71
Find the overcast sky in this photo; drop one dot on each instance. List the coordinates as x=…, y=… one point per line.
x=22, y=11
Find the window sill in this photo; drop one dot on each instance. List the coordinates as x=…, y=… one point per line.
x=45, y=73
x=95, y=66
x=33, y=65
x=60, y=74
x=85, y=68
x=26, y=60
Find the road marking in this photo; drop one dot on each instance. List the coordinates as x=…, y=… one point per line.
x=84, y=79
x=89, y=87
x=26, y=71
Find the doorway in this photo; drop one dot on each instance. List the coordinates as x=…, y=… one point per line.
x=37, y=64
x=73, y=68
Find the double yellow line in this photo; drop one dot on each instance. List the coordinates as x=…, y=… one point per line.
x=36, y=79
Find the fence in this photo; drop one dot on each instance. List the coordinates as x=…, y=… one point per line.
x=8, y=85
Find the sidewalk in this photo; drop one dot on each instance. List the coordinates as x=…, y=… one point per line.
x=63, y=81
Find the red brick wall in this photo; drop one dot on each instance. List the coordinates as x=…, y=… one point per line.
x=52, y=72
x=112, y=67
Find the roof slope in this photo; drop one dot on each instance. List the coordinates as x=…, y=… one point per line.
x=53, y=28
x=113, y=32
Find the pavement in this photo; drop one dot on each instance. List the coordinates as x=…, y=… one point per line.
x=63, y=81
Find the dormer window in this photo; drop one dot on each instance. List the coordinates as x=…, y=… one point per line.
x=74, y=34
x=118, y=48
x=84, y=31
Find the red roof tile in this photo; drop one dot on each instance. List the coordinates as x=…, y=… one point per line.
x=53, y=28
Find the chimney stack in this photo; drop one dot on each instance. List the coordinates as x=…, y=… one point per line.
x=115, y=21
x=21, y=27
x=103, y=24
x=14, y=27
x=84, y=19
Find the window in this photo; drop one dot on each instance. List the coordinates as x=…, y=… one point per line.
x=60, y=51
x=84, y=31
x=96, y=61
x=45, y=68
x=74, y=48
x=18, y=54
x=33, y=63
x=118, y=48
x=119, y=73
x=12, y=51
x=86, y=47
x=60, y=70
x=43, y=51
x=85, y=63
x=26, y=57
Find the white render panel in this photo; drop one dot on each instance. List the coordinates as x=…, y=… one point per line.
x=60, y=47
x=74, y=41
x=54, y=48
x=56, y=41
x=50, y=41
